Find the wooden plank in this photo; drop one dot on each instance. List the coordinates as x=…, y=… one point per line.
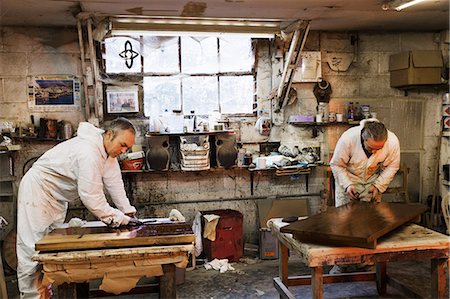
x=282, y=289
x=357, y=224
x=104, y=237
x=333, y=278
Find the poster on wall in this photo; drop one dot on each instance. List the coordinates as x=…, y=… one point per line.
x=122, y=100
x=54, y=93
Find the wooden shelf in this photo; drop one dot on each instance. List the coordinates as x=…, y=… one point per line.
x=315, y=124
x=190, y=133
x=6, y=194
x=7, y=178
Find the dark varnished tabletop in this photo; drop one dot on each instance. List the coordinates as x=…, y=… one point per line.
x=355, y=224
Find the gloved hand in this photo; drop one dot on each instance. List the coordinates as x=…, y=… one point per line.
x=134, y=222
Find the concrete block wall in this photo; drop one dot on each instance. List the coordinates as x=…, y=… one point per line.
x=39, y=51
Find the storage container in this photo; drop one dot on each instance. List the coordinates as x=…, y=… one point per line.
x=229, y=239
x=268, y=245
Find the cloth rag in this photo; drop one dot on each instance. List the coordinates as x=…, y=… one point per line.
x=210, y=226
x=197, y=229
x=76, y=222
x=221, y=265
x=175, y=215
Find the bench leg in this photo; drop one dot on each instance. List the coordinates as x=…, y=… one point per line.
x=438, y=279
x=167, y=282
x=67, y=290
x=317, y=282
x=381, y=278
x=283, y=264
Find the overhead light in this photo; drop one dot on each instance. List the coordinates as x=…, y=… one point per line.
x=398, y=5
x=176, y=26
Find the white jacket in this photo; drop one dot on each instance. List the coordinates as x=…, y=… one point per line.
x=350, y=164
x=76, y=168
x=80, y=168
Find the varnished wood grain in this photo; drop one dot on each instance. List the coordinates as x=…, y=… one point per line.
x=357, y=224
x=104, y=237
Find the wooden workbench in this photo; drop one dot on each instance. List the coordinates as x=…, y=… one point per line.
x=409, y=242
x=120, y=267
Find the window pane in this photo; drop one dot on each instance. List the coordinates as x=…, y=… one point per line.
x=199, y=55
x=236, y=54
x=122, y=55
x=161, y=93
x=200, y=94
x=161, y=54
x=236, y=94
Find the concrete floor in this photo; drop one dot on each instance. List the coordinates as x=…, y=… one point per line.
x=253, y=279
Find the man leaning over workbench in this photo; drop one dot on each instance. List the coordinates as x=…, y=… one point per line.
x=364, y=163
x=80, y=167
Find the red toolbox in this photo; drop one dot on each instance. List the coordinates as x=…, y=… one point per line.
x=228, y=244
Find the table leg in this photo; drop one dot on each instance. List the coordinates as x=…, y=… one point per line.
x=438, y=279
x=317, y=282
x=67, y=290
x=381, y=277
x=167, y=282
x=283, y=264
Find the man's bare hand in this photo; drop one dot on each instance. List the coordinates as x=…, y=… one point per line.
x=374, y=192
x=351, y=192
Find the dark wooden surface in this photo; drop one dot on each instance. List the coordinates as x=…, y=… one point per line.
x=357, y=224
x=105, y=237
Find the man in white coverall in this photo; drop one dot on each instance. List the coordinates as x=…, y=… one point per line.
x=80, y=167
x=364, y=162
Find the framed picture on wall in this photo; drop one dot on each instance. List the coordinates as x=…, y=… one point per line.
x=54, y=93
x=122, y=101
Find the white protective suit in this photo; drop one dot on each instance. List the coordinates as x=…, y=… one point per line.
x=76, y=168
x=350, y=164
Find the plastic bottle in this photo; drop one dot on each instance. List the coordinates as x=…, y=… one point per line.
x=350, y=112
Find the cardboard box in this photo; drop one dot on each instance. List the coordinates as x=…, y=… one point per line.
x=277, y=208
x=419, y=67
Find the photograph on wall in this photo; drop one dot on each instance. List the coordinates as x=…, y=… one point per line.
x=122, y=101
x=54, y=93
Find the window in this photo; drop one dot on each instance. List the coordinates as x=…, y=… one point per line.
x=186, y=73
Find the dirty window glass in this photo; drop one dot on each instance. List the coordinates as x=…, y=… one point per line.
x=236, y=54
x=236, y=94
x=161, y=54
x=122, y=55
x=200, y=94
x=161, y=93
x=199, y=55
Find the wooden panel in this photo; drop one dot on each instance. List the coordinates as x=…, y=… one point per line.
x=357, y=224
x=105, y=237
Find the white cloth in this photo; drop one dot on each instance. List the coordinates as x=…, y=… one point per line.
x=175, y=215
x=76, y=168
x=350, y=164
x=197, y=229
x=221, y=265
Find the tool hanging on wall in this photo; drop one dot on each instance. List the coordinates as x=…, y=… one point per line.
x=301, y=30
x=322, y=91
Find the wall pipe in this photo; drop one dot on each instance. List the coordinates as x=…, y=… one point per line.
x=282, y=197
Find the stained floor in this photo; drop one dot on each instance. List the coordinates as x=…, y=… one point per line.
x=253, y=279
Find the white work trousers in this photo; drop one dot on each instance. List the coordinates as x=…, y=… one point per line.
x=35, y=214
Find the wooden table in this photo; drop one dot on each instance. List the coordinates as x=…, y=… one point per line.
x=409, y=242
x=120, y=267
